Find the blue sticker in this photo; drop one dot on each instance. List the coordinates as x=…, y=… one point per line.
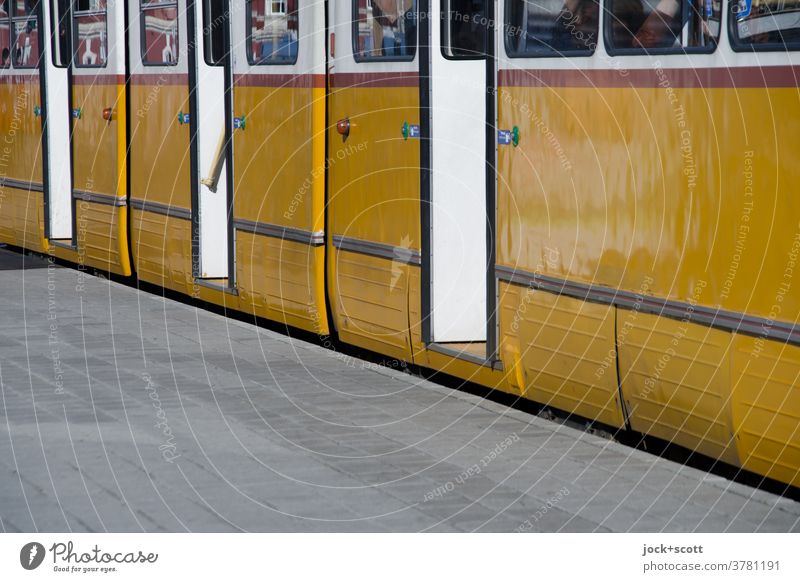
x=413, y=131
x=503, y=136
x=76, y=113
x=185, y=117
x=238, y=122
x=743, y=10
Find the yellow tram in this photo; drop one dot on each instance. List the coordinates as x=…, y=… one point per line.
x=589, y=204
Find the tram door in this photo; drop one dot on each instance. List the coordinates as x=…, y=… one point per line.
x=211, y=124
x=97, y=114
x=55, y=112
x=458, y=243
x=84, y=129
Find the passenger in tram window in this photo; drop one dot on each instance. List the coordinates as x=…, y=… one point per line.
x=576, y=26
x=627, y=18
x=4, y=61
x=388, y=26
x=664, y=24
x=661, y=28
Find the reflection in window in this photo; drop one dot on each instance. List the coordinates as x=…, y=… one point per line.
x=5, y=35
x=385, y=29
x=663, y=24
x=26, y=43
x=551, y=27
x=159, y=33
x=766, y=23
x=273, y=31
x=24, y=7
x=91, y=37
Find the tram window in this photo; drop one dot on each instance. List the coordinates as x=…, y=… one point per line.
x=464, y=29
x=159, y=38
x=25, y=46
x=5, y=35
x=539, y=28
x=215, y=21
x=24, y=7
x=662, y=25
x=90, y=33
x=59, y=32
x=384, y=30
x=763, y=25
x=273, y=32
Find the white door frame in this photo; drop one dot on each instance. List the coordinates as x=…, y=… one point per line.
x=210, y=125
x=56, y=128
x=457, y=193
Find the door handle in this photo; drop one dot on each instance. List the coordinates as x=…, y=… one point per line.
x=343, y=127
x=410, y=131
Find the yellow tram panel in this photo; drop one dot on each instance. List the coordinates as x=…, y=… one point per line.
x=21, y=146
x=160, y=159
x=21, y=210
x=372, y=303
x=279, y=177
x=563, y=350
x=640, y=190
x=374, y=173
x=766, y=407
x=280, y=280
x=760, y=203
x=94, y=156
x=22, y=218
x=160, y=245
x=99, y=238
x=100, y=168
x=273, y=154
x=159, y=142
x=676, y=381
x=373, y=197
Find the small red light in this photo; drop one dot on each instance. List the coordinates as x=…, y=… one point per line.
x=343, y=127
x=108, y=114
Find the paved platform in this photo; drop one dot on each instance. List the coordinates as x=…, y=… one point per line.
x=125, y=411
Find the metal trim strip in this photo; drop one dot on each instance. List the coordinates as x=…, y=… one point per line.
x=163, y=209
x=21, y=185
x=216, y=286
x=282, y=232
x=380, y=250
x=104, y=199
x=716, y=318
x=461, y=355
